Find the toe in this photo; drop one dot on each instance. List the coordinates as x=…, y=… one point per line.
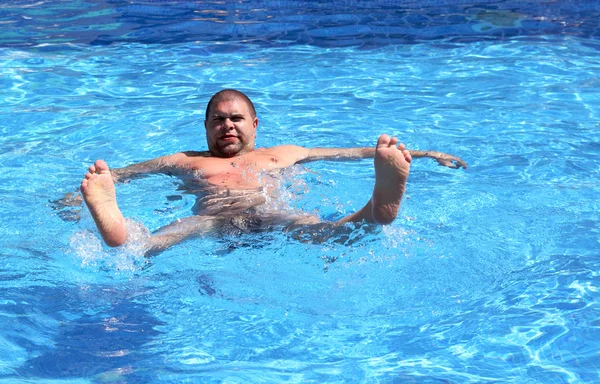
x=383, y=140
x=101, y=166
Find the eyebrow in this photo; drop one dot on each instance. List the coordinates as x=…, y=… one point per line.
x=223, y=115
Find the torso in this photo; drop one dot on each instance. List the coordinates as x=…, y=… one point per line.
x=230, y=185
x=248, y=171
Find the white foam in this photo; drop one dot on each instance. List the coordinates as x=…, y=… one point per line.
x=282, y=191
x=129, y=257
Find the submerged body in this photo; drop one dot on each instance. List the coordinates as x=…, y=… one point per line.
x=234, y=179
x=235, y=192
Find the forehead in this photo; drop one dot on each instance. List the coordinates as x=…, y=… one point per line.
x=230, y=106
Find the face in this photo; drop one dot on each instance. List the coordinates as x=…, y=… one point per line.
x=230, y=129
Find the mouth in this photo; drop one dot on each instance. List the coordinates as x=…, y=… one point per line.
x=228, y=137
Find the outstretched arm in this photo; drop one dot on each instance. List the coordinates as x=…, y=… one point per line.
x=315, y=154
x=164, y=164
x=442, y=158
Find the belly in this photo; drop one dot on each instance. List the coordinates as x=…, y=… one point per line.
x=232, y=192
x=229, y=202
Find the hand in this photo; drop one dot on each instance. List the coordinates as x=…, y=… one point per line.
x=115, y=175
x=70, y=199
x=450, y=161
x=68, y=207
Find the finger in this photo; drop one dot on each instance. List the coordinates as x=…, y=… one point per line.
x=459, y=162
x=446, y=163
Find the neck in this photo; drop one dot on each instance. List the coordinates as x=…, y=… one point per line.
x=242, y=152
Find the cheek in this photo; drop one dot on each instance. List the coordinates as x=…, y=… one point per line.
x=210, y=136
x=248, y=131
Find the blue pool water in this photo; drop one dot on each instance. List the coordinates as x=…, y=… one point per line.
x=488, y=275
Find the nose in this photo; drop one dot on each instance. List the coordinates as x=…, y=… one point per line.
x=228, y=124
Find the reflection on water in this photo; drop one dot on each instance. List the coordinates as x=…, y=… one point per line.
x=77, y=332
x=369, y=24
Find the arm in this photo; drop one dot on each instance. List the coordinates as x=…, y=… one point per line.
x=315, y=154
x=442, y=158
x=164, y=164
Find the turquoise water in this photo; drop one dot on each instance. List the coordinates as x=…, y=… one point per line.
x=489, y=274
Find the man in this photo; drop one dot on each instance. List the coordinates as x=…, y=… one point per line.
x=232, y=179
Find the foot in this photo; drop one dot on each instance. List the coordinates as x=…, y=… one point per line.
x=99, y=194
x=392, y=165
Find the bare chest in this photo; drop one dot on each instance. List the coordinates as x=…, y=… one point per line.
x=248, y=171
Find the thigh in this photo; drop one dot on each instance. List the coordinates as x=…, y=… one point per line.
x=182, y=229
x=188, y=226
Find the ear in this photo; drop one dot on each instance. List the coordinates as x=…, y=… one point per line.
x=255, y=125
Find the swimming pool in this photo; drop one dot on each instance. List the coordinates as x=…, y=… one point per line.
x=488, y=275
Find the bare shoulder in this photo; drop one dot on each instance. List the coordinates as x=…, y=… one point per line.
x=186, y=158
x=194, y=154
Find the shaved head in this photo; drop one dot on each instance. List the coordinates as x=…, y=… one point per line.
x=229, y=95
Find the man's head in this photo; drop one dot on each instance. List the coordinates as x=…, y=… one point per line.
x=230, y=124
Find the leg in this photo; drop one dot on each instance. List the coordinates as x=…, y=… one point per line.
x=99, y=194
x=392, y=165
x=181, y=230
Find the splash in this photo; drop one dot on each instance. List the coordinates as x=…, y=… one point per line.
x=90, y=252
x=283, y=190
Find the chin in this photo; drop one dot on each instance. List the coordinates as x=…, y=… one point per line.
x=229, y=152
